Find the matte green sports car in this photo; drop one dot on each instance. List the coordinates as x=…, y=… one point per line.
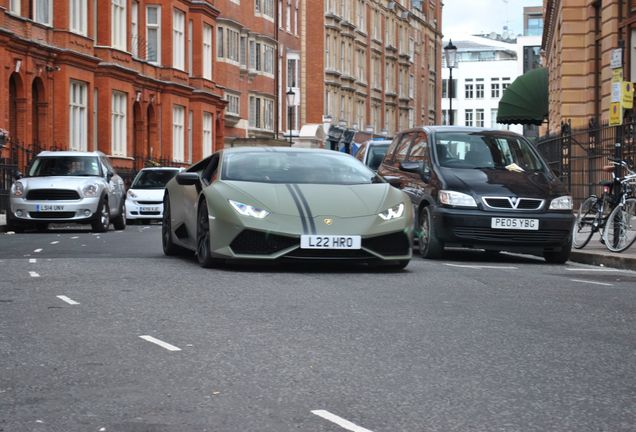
x=280, y=203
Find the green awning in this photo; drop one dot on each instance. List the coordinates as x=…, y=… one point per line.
x=525, y=101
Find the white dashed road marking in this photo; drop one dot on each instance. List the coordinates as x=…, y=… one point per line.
x=160, y=343
x=345, y=424
x=34, y=274
x=481, y=266
x=74, y=237
x=599, y=270
x=37, y=251
x=55, y=242
x=67, y=300
x=590, y=282
x=32, y=260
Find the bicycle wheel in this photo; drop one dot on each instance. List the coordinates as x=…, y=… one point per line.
x=620, y=228
x=584, y=224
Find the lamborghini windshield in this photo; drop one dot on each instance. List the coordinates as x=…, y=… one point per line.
x=483, y=150
x=280, y=166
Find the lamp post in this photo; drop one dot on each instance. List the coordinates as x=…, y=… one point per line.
x=291, y=96
x=450, y=52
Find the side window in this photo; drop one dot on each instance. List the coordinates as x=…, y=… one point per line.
x=391, y=150
x=209, y=174
x=402, y=149
x=106, y=166
x=419, y=149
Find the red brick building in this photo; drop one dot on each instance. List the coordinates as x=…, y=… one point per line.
x=256, y=41
x=131, y=78
x=372, y=65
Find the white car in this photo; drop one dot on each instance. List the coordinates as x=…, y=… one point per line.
x=144, y=199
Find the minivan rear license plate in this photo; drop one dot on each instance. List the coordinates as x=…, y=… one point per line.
x=514, y=223
x=330, y=242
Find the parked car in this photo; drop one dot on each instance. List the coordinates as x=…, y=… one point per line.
x=144, y=198
x=480, y=188
x=68, y=186
x=372, y=152
x=286, y=204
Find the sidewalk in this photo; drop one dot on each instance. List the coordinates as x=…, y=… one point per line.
x=594, y=253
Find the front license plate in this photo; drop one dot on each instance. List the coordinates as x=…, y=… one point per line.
x=330, y=242
x=49, y=207
x=514, y=223
x=149, y=209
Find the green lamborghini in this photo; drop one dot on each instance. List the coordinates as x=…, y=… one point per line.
x=280, y=203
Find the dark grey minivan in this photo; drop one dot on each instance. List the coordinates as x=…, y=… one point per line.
x=480, y=188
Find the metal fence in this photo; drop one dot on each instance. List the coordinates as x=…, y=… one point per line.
x=578, y=156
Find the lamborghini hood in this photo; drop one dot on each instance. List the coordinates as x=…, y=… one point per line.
x=319, y=199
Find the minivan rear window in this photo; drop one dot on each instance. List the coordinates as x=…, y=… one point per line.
x=472, y=150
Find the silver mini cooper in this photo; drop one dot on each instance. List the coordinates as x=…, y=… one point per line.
x=68, y=187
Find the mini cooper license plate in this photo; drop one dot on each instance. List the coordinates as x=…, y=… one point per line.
x=330, y=242
x=49, y=207
x=514, y=223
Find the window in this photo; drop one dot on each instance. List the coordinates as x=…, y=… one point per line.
x=411, y=86
x=190, y=30
x=178, y=114
x=243, y=51
x=153, y=34
x=232, y=45
x=134, y=28
x=493, y=118
x=78, y=16
x=252, y=54
x=505, y=83
x=292, y=72
x=233, y=104
x=207, y=134
x=78, y=116
x=118, y=24
x=469, y=89
x=264, y=7
x=15, y=7
x=288, y=16
x=469, y=118
x=220, y=51
x=43, y=12
x=207, y=51
x=118, y=120
x=479, y=117
x=257, y=62
x=178, y=40
x=361, y=11
x=479, y=88
x=261, y=113
x=495, y=89
x=268, y=59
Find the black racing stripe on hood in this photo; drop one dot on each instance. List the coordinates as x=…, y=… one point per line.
x=299, y=206
x=310, y=216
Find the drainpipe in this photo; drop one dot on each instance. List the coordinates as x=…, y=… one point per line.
x=277, y=98
x=597, y=62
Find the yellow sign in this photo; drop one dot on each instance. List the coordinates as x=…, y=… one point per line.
x=615, y=114
x=617, y=75
x=627, y=99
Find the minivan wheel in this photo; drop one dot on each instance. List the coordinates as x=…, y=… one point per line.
x=430, y=247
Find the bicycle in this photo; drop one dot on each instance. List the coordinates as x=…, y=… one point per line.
x=620, y=226
x=595, y=210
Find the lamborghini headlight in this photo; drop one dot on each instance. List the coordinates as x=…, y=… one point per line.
x=248, y=210
x=17, y=189
x=393, y=212
x=90, y=190
x=561, y=203
x=458, y=199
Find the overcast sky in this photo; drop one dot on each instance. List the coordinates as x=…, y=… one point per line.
x=465, y=17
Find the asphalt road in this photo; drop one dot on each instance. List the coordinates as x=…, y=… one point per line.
x=104, y=333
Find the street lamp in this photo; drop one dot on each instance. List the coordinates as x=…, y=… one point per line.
x=450, y=51
x=291, y=96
